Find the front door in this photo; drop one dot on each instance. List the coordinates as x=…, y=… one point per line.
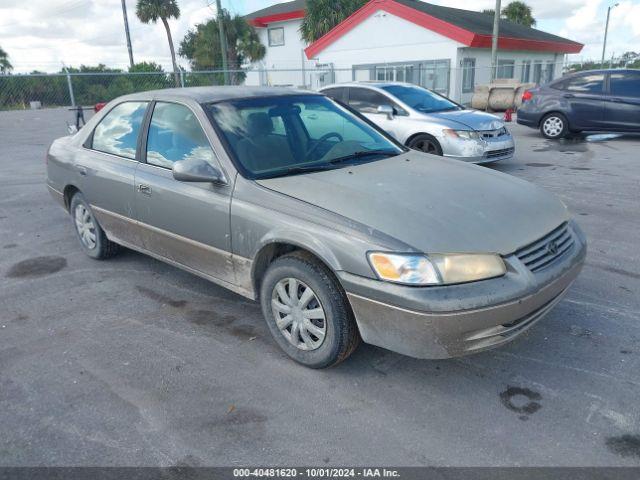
x=182, y=222
x=367, y=101
x=622, y=105
x=106, y=169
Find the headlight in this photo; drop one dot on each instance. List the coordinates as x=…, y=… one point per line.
x=464, y=134
x=436, y=269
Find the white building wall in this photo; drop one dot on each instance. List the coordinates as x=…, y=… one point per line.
x=381, y=39
x=482, y=74
x=384, y=38
x=289, y=56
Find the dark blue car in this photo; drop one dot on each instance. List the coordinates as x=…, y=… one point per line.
x=596, y=100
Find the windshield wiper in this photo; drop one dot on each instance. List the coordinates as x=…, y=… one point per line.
x=300, y=169
x=362, y=153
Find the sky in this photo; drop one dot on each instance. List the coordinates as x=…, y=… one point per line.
x=45, y=34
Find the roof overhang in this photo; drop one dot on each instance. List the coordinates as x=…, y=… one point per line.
x=437, y=25
x=262, y=22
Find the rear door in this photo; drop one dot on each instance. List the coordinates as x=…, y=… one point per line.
x=106, y=168
x=584, y=97
x=622, y=104
x=182, y=222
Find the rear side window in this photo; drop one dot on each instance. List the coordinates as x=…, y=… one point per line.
x=175, y=134
x=625, y=84
x=592, y=83
x=117, y=133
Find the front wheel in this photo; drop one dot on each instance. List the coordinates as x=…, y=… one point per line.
x=554, y=126
x=92, y=238
x=425, y=143
x=307, y=311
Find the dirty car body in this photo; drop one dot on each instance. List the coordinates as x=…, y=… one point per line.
x=423, y=255
x=427, y=121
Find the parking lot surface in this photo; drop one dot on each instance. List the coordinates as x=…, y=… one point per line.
x=133, y=362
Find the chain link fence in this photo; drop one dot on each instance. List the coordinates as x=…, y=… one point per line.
x=24, y=91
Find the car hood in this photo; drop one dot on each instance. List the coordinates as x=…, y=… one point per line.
x=472, y=119
x=432, y=204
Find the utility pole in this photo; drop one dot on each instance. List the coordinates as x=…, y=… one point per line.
x=223, y=42
x=494, y=41
x=126, y=31
x=606, y=31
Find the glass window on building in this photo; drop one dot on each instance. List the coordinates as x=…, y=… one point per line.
x=276, y=37
x=468, y=74
x=506, y=69
x=537, y=71
x=549, y=72
x=526, y=71
x=434, y=75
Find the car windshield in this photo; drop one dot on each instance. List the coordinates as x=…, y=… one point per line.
x=421, y=99
x=293, y=134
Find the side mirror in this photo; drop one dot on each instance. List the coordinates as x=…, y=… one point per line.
x=386, y=110
x=197, y=170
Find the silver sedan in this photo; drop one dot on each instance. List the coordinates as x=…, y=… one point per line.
x=426, y=121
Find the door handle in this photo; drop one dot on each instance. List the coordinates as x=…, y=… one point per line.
x=82, y=170
x=568, y=95
x=144, y=189
x=615, y=100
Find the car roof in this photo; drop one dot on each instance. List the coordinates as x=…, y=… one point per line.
x=369, y=83
x=216, y=93
x=605, y=70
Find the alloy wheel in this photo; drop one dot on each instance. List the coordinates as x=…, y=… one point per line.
x=85, y=226
x=298, y=314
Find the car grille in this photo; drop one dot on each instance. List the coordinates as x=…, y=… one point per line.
x=499, y=153
x=546, y=250
x=494, y=133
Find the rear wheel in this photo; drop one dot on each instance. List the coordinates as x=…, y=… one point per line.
x=307, y=311
x=92, y=238
x=425, y=143
x=554, y=126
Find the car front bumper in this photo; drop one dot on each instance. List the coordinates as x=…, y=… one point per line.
x=479, y=151
x=455, y=320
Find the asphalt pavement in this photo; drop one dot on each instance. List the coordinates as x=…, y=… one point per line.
x=134, y=362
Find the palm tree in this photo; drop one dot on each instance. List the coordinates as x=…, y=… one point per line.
x=152, y=10
x=519, y=12
x=201, y=45
x=5, y=65
x=322, y=15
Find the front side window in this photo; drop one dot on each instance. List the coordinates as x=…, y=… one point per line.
x=292, y=134
x=276, y=37
x=506, y=69
x=365, y=100
x=421, y=99
x=468, y=74
x=625, y=84
x=117, y=133
x=591, y=83
x=175, y=134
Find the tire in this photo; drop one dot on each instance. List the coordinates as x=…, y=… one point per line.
x=424, y=142
x=92, y=238
x=340, y=335
x=554, y=126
